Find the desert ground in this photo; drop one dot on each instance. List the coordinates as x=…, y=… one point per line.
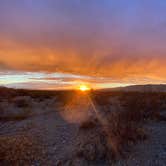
x=72, y=128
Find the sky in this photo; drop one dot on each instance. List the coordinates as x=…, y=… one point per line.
x=55, y=44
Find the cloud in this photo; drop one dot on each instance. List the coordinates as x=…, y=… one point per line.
x=4, y=66
x=115, y=39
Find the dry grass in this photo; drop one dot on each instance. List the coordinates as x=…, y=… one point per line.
x=19, y=150
x=125, y=126
x=121, y=131
x=143, y=107
x=108, y=143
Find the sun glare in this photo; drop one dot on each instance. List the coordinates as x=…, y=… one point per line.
x=84, y=88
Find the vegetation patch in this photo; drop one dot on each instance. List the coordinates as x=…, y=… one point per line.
x=19, y=150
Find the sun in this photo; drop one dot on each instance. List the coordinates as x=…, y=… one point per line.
x=84, y=88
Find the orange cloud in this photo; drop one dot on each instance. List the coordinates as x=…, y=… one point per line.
x=101, y=61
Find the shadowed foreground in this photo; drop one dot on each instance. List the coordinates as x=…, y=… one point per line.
x=75, y=128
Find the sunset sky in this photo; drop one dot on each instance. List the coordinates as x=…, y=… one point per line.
x=54, y=44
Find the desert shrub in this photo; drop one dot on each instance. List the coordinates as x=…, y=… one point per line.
x=19, y=150
x=88, y=123
x=108, y=138
x=23, y=114
x=122, y=130
x=143, y=106
x=20, y=115
x=21, y=102
x=101, y=98
x=6, y=93
x=90, y=146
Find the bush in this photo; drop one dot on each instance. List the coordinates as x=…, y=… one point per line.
x=21, y=103
x=121, y=130
x=88, y=123
x=107, y=138
x=15, y=116
x=19, y=150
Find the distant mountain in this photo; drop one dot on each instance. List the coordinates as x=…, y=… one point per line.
x=142, y=88
x=133, y=88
